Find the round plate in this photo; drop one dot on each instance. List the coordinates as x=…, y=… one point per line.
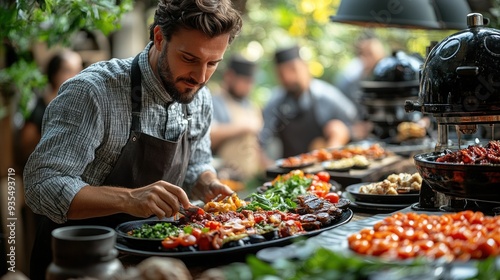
x=401, y=199
x=279, y=163
x=372, y=207
x=327, y=166
x=123, y=246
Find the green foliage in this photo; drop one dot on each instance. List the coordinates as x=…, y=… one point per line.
x=55, y=21
x=324, y=264
x=25, y=22
x=25, y=77
x=494, y=14
x=328, y=46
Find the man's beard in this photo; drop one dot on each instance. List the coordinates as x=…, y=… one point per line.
x=168, y=82
x=234, y=94
x=294, y=89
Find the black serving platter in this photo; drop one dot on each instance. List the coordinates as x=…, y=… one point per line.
x=146, y=248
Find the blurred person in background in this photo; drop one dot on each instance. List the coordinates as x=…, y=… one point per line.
x=369, y=50
x=237, y=122
x=305, y=113
x=62, y=66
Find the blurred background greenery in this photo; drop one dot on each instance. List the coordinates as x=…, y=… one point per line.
x=268, y=24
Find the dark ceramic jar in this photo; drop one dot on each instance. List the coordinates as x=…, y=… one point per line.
x=83, y=251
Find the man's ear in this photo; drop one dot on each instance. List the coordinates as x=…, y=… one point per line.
x=158, y=38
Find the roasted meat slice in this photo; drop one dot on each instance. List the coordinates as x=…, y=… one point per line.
x=307, y=218
x=324, y=218
x=289, y=228
x=310, y=226
x=313, y=203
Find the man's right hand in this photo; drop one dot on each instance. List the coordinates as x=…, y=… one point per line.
x=161, y=199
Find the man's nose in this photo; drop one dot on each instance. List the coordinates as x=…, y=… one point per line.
x=200, y=74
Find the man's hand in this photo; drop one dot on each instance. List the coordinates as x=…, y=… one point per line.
x=208, y=187
x=161, y=199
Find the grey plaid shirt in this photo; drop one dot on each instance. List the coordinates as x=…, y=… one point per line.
x=86, y=126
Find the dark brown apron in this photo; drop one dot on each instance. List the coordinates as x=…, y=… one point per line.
x=297, y=132
x=144, y=160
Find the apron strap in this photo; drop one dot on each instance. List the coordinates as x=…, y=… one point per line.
x=187, y=115
x=136, y=94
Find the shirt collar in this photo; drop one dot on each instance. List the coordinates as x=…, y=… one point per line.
x=150, y=83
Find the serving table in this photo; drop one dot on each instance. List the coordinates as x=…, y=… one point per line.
x=377, y=170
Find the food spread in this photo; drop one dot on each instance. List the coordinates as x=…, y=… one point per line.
x=394, y=184
x=460, y=236
x=372, y=152
x=294, y=204
x=474, y=154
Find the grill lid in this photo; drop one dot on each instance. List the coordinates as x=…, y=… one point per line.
x=460, y=76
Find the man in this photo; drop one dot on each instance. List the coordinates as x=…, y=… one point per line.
x=305, y=113
x=124, y=136
x=369, y=51
x=237, y=122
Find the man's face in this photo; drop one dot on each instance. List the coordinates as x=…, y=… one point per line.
x=188, y=61
x=238, y=86
x=293, y=76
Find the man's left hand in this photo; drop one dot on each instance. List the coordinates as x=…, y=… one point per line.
x=208, y=187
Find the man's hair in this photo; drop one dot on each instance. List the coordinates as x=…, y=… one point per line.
x=212, y=17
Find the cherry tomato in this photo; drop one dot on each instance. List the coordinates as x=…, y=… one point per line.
x=213, y=225
x=319, y=193
x=196, y=232
x=323, y=176
x=170, y=243
x=332, y=197
x=187, y=240
x=259, y=217
x=204, y=242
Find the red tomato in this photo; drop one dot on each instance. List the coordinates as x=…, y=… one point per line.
x=187, y=240
x=332, y=197
x=319, y=193
x=170, y=243
x=200, y=211
x=204, y=242
x=196, y=232
x=323, y=176
x=259, y=217
x=213, y=225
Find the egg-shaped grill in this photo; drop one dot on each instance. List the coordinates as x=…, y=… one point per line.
x=394, y=79
x=460, y=86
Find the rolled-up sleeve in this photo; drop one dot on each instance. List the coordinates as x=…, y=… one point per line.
x=72, y=130
x=201, y=154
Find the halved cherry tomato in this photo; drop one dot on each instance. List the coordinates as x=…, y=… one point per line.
x=196, y=232
x=213, y=225
x=323, y=176
x=170, y=243
x=204, y=242
x=332, y=197
x=187, y=240
x=319, y=193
